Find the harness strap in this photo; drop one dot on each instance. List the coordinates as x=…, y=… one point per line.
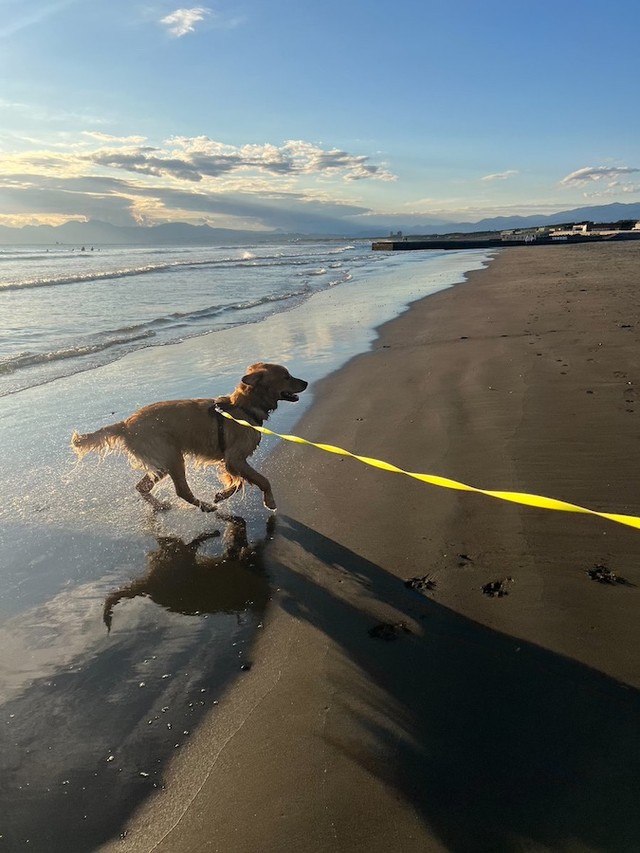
x=219, y=412
x=216, y=412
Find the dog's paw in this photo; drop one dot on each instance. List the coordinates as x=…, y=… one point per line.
x=205, y=507
x=270, y=502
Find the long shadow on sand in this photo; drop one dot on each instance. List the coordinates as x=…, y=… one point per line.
x=499, y=744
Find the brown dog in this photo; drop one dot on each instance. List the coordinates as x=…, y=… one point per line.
x=158, y=437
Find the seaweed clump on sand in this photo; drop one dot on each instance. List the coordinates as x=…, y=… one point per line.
x=389, y=630
x=497, y=589
x=423, y=584
x=603, y=574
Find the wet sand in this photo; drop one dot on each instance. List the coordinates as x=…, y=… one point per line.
x=475, y=722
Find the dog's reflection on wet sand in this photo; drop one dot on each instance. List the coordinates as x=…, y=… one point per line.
x=182, y=580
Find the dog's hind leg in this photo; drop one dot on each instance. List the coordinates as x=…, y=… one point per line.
x=177, y=474
x=146, y=484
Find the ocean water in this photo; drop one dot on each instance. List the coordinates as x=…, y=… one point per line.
x=66, y=310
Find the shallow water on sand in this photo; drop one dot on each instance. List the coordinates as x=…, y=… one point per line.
x=120, y=628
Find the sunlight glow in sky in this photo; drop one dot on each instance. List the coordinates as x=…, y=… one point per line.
x=310, y=116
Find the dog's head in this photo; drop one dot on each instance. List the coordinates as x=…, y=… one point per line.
x=273, y=382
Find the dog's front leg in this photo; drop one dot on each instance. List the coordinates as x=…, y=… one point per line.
x=241, y=468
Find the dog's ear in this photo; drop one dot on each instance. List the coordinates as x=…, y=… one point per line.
x=254, y=376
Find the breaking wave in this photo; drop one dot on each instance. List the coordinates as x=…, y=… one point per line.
x=125, y=336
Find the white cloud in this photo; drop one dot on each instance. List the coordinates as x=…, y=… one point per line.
x=199, y=158
x=183, y=21
x=583, y=176
x=295, y=185
x=501, y=176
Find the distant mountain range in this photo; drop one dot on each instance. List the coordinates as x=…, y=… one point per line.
x=599, y=213
x=95, y=232
x=180, y=233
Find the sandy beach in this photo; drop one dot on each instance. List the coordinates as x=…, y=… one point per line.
x=377, y=716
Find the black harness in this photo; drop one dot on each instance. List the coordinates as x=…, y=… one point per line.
x=222, y=444
x=216, y=411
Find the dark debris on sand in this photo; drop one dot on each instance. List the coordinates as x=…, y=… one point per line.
x=389, y=630
x=497, y=589
x=423, y=584
x=602, y=574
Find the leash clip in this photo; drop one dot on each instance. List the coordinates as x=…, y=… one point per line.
x=217, y=408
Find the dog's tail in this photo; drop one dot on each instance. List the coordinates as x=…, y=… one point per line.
x=110, y=602
x=107, y=611
x=101, y=441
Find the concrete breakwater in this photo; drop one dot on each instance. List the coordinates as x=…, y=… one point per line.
x=405, y=244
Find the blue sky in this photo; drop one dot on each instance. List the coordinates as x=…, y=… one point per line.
x=312, y=116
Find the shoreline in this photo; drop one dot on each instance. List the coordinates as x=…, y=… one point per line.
x=490, y=723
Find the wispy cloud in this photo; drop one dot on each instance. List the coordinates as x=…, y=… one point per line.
x=584, y=176
x=459, y=209
x=501, y=176
x=41, y=112
x=107, y=137
x=183, y=21
x=10, y=26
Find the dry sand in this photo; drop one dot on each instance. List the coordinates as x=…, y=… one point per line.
x=485, y=723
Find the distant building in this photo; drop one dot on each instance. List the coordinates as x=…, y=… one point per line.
x=596, y=229
x=523, y=235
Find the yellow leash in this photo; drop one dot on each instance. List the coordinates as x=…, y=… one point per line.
x=445, y=483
